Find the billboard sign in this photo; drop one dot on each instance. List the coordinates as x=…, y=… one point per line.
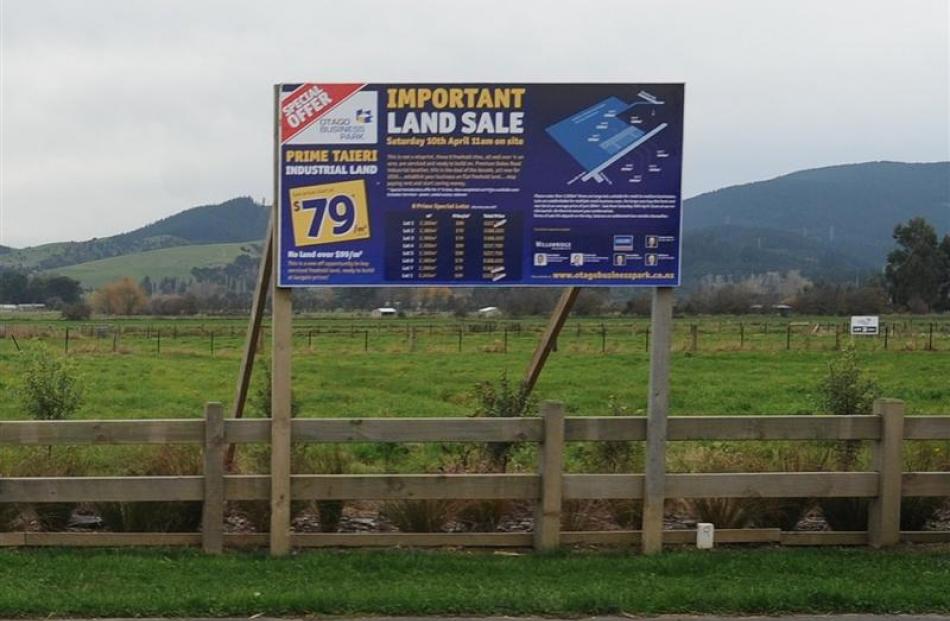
x=479, y=184
x=865, y=325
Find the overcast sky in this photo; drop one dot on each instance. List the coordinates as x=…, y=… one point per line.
x=118, y=113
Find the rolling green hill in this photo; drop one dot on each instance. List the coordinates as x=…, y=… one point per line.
x=156, y=264
x=831, y=223
x=237, y=220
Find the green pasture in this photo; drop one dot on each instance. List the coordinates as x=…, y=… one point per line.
x=350, y=367
x=174, y=262
x=170, y=583
x=147, y=368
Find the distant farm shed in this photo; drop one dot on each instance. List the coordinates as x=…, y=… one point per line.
x=383, y=311
x=489, y=311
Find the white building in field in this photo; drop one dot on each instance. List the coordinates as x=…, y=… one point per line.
x=383, y=311
x=489, y=311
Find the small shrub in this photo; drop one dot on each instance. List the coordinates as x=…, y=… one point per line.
x=923, y=457
x=852, y=513
x=844, y=391
x=54, y=516
x=916, y=511
x=259, y=402
x=847, y=390
x=783, y=513
x=330, y=513
x=578, y=514
x=9, y=516
x=324, y=460
x=50, y=388
x=614, y=456
x=484, y=516
x=503, y=399
x=845, y=513
x=627, y=514
x=162, y=517
x=38, y=462
x=725, y=512
x=419, y=516
x=79, y=311
x=256, y=512
x=167, y=460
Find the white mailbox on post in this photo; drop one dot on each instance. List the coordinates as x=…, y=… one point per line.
x=865, y=325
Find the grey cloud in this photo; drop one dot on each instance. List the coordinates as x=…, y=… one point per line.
x=116, y=113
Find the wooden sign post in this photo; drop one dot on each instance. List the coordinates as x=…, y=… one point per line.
x=281, y=354
x=658, y=407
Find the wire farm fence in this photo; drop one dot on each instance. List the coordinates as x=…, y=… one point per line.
x=418, y=336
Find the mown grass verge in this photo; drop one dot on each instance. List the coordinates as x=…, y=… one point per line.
x=184, y=582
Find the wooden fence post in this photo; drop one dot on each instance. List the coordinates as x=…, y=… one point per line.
x=884, y=517
x=547, y=521
x=654, y=480
x=212, y=513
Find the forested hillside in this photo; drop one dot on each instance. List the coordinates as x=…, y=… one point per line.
x=848, y=212
x=236, y=220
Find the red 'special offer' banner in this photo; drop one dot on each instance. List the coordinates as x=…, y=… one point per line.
x=308, y=103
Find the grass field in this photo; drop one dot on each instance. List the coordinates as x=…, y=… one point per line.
x=156, y=264
x=165, y=368
x=169, y=368
x=182, y=583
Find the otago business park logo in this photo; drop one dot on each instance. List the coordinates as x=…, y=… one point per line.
x=352, y=122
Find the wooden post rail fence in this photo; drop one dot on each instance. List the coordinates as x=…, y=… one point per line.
x=885, y=484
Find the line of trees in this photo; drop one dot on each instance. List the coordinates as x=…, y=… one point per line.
x=918, y=270
x=54, y=291
x=915, y=278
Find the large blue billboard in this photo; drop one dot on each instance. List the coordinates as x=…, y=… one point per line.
x=479, y=184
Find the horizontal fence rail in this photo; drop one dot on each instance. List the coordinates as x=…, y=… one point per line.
x=577, y=429
x=468, y=486
x=884, y=485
